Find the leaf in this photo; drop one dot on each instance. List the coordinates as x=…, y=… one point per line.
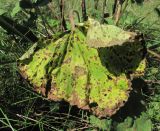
x=110, y=21
x=16, y=9
x=140, y=124
x=107, y=35
x=126, y=125
x=103, y=124
x=2, y=11
x=29, y=52
x=76, y=74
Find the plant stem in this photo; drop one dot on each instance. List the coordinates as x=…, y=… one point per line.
x=84, y=14
x=71, y=18
x=118, y=11
x=63, y=22
x=153, y=53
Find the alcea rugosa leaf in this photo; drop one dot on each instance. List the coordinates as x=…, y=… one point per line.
x=99, y=35
x=77, y=74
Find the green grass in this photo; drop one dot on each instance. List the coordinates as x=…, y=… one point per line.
x=21, y=108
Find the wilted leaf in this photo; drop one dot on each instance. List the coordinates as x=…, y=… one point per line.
x=68, y=69
x=107, y=35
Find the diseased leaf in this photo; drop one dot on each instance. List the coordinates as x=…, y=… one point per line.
x=68, y=69
x=107, y=35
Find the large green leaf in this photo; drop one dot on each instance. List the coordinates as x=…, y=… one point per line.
x=68, y=69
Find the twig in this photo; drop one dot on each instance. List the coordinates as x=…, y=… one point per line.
x=103, y=11
x=114, y=7
x=153, y=81
x=82, y=128
x=84, y=14
x=153, y=53
x=71, y=18
x=154, y=46
x=25, y=117
x=77, y=13
x=51, y=8
x=63, y=22
x=118, y=10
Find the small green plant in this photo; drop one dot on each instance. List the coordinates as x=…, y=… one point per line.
x=143, y=123
x=102, y=124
